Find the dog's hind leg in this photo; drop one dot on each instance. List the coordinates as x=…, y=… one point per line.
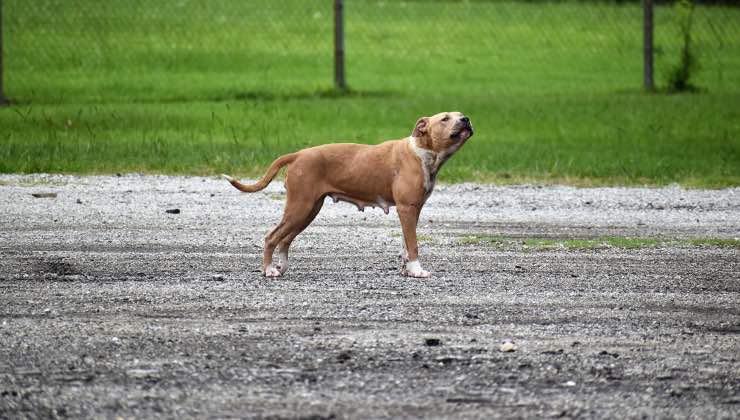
x=284, y=245
x=269, y=250
x=299, y=212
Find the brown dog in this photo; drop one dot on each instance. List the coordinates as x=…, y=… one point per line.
x=397, y=173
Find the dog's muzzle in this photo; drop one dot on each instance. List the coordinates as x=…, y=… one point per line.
x=463, y=130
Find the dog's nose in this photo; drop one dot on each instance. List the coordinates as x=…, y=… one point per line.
x=465, y=120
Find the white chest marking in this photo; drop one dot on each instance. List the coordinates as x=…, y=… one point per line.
x=430, y=163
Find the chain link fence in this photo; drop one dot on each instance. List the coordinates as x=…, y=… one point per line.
x=168, y=50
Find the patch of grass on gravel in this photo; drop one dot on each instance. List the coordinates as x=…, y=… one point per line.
x=603, y=242
x=722, y=243
x=419, y=237
x=424, y=238
x=481, y=240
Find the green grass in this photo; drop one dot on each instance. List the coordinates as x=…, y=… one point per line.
x=419, y=237
x=582, y=244
x=226, y=86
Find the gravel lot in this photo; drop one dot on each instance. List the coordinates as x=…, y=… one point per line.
x=110, y=306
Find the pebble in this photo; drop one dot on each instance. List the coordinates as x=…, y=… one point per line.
x=141, y=373
x=507, y=346
x=432, y=342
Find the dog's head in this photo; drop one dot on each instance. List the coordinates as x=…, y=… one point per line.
x=444, y=132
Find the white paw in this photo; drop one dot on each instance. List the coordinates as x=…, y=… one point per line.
x=282, y=264
x=419, y=274
x=282, y=268
x=413, y=269
x=272, y=271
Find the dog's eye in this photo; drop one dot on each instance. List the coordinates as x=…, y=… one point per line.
x=446, y=118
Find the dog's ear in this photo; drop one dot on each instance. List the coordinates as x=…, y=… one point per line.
x=421, y=127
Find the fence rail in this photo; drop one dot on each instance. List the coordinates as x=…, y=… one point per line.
x=87, y=50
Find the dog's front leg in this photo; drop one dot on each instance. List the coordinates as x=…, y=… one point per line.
x=409, y=215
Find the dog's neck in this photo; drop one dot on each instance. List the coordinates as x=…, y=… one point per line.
x=431, y=161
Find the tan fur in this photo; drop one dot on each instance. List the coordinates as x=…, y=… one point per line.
x=397, y=172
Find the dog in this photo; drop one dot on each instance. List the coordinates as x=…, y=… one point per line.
x=399, y=173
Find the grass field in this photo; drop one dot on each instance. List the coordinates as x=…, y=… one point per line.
x=207, y=87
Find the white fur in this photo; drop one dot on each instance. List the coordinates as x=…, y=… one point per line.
x=283, y=264
x=413, y=269
x=272, y=271
x=428, y=159
x=430, y=162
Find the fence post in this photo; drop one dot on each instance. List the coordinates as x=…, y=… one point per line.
x=3, y=101
x=647, y=7
x=339, y=81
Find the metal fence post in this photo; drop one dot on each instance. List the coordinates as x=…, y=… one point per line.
x=647, y=6
x=3, y=101
x=339, y=81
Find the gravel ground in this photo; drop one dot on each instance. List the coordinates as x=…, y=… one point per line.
x=110, y=306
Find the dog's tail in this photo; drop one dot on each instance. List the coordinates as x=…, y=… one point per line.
x=272, y=171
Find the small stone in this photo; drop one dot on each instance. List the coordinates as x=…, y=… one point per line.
x=446, y=360
x=432, y=342
x=172, y=211
x=141, y=373
x=344, y=356
x=218, y=277
x=78, y=201
x=569, y=383
x=607, y=353
x=507, y=347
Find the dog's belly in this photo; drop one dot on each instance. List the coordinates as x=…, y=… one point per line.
x=362, y=203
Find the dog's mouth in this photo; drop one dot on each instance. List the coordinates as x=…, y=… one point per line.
x=462, y=133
